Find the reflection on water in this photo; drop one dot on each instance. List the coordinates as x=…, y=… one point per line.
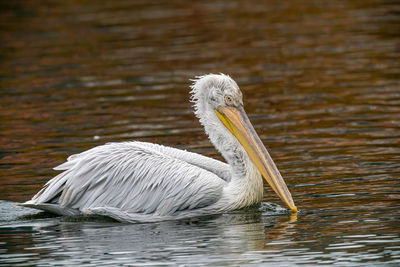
x=321, y=83
x=254, y=236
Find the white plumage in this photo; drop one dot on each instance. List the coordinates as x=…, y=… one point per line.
x=143, y=182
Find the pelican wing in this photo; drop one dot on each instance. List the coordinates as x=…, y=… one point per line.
x=133, y=177
x=217, y=167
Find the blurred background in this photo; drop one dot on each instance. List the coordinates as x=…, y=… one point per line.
x=321, y=84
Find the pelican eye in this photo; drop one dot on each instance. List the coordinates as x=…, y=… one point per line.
x=228, y=100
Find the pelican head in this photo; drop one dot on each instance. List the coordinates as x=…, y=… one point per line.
x=218, y=104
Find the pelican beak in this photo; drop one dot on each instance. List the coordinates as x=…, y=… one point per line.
x=237, y=122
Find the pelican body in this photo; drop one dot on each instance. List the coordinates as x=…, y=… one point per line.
x=145, y=182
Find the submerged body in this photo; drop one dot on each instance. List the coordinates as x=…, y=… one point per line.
x=143, y=182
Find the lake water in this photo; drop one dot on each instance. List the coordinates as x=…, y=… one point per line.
x=321, y=84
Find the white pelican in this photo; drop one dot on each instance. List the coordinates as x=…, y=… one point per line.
x=145, y=182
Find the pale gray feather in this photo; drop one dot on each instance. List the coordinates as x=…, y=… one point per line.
x=134, y=177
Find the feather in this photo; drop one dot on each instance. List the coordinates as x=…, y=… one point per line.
x=135, y=178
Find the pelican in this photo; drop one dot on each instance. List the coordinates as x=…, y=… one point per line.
x=144, y=182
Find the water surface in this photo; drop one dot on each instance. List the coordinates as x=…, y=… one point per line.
x=321, y=84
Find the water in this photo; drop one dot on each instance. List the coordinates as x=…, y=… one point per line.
x=321, y=84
